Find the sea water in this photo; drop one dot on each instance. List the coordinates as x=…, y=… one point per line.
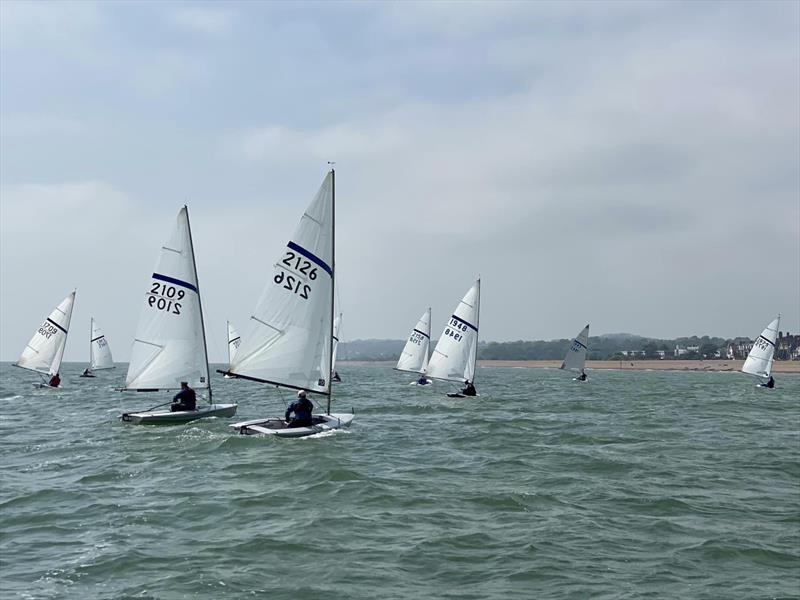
x=632, y=485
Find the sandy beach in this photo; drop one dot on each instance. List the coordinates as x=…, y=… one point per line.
x=644, y=365
x=783, y=366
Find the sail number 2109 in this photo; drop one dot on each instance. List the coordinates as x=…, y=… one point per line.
x=165, y=297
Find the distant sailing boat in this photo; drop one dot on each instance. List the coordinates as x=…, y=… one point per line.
x=44, y=352
x=99, y=351
x=234, y=339
x=289, y=342
x=170, y=343
x=455, y=354
x=414, y=357
x=576, y=355
x=337, y=323
x=759, y=361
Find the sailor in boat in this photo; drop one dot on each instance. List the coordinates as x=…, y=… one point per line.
x=186, y=399
x=423, y=380
x=55, y=381
x=582, y=376
x=469, y=389
x=86, y=372
x=336, y=376
x=770, y=382
x=301, y=409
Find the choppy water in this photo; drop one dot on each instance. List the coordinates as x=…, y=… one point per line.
x=635, y=485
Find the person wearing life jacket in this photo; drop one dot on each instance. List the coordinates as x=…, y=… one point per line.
x=186, y=399
x=469, y=389
x=298, y=414
x=423, y=380
x=55, y=381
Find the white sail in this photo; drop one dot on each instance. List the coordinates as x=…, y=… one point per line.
x=453, y=359
x=414, y=356
x=99, y=350
x=759, y=361
x=288, y=341
x=576, y=355
x=169, y=346
x=233, y=342
x=46, y=348
x=337, y=323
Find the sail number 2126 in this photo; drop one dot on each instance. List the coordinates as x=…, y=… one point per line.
x=302, y=270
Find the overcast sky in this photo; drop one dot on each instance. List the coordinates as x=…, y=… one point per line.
x=633, y=165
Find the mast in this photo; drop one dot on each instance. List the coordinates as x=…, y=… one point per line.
x=477, y=330
x=333, y=281
x=228, y=337
x=91, y=347
x=199, y=302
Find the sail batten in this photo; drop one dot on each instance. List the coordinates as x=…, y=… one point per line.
x=44, y=352
x=289, y=338
x=455, y=354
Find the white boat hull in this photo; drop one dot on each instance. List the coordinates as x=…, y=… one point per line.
x=165, y=417
x=277, y=427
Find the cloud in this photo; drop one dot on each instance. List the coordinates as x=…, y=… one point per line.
x=203, y=20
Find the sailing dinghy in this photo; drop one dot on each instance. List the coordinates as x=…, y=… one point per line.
x=99, y=351
x=575, y=360
x=44, y=352
x=759, y=360
x=289, y=340
x=170, y=343
x=414, y=357
x=234, y=339
x=455, y=354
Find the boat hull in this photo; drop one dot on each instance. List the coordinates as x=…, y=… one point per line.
x=165, y=417
x=278, y=428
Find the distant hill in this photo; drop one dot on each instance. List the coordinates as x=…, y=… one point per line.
x=604, y=347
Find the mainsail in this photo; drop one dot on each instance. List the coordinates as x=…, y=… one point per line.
x=44, y=352
x=759, y=361
x=289, y=339
x=233, y=342
x=170, y=342
x=414, y=356
x=576, y=355
x=99, y=350
x=454, y=357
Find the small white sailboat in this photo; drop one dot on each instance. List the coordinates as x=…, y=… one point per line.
x=414, y=357
x=234, y=339
x=455, y=354
x=759, y=360
x=337, y=323
x=99, y=351
x=43, y=354
x=575, y=360
x=289, y=341
x=170, y=343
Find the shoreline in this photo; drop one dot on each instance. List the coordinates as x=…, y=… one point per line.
x=782, y=366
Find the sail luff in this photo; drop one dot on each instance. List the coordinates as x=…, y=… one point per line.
x=333, y=284
x=200, y=304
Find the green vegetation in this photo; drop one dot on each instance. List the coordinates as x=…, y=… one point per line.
x=606, y=347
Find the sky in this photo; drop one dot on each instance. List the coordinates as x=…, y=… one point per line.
x=633, y=165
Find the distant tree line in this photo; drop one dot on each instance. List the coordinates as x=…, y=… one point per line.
x=606, y=347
